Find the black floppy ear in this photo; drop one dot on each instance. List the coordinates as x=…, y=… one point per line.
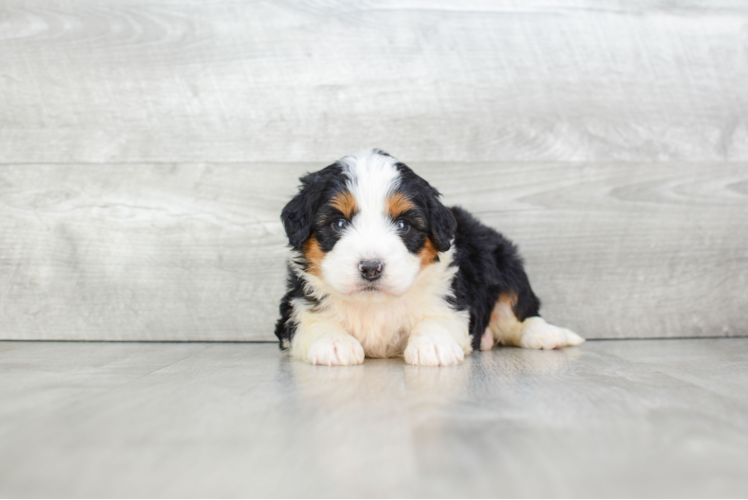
x=441, y=221
x=298, y=215
x=297, y=219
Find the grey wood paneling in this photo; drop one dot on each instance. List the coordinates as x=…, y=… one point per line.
x=175, y=80
x=196, y=251
x=147, y=147
x=142, y=252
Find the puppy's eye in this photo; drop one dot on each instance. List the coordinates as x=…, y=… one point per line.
x=339, y=225
x=402, y=226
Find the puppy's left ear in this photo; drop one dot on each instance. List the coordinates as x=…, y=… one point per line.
x=442, y=222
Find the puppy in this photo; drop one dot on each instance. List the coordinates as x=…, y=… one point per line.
x=381, y=268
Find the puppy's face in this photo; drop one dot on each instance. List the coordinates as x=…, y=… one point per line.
x=367, y=225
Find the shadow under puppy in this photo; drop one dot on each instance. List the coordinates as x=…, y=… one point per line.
x=381, y=268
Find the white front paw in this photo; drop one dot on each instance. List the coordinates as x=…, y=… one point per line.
x=427, y=350
x=336, y=350
x=537, y=334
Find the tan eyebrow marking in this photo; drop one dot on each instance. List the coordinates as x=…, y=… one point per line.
x=397, y=204
x=346, y=203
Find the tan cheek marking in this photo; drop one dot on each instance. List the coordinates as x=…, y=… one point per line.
x=314, y=256
x=397, y=204
x=428, y=254
x=346, y=203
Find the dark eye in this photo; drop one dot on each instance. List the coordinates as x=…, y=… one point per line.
x=402, y=226
x=339, y=225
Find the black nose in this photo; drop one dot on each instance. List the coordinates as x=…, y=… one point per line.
x=371, y=269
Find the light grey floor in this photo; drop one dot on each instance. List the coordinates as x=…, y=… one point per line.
x=609, y=418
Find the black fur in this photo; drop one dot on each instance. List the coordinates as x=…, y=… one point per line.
x=489, y=264
x=415, y=237
x=301, y=214
x=285, y=328
x=441, y=223
x=306, y=214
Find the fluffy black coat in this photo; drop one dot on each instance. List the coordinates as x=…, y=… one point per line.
x=489, y=265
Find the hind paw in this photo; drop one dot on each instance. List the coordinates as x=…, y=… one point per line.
x=537, y=334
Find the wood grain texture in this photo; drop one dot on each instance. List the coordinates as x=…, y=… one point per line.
x=142, y=252
x=196, y=251
x=146, y=149
x=186, y=81
x=634, y=419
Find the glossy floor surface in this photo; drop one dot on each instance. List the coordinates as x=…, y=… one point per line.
x=608, y=418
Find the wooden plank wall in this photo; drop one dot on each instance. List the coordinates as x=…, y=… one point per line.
x=147, y=147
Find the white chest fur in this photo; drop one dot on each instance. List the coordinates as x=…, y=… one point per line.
x=383, y=324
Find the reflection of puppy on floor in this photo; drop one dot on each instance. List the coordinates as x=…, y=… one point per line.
x=381, y=268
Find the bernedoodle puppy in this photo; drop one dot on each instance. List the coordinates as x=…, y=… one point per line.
x=381, y=268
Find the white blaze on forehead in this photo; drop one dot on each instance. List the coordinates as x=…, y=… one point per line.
x=373, y=177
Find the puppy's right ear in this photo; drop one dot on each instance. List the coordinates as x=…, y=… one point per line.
x=298, y=214
x=297, y=221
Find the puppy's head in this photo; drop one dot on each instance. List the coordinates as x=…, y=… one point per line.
x=367, y=225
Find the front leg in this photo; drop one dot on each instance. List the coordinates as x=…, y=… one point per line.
x=438, y=342
x=325, y=343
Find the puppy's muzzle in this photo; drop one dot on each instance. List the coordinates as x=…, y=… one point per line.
x=371, y=270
